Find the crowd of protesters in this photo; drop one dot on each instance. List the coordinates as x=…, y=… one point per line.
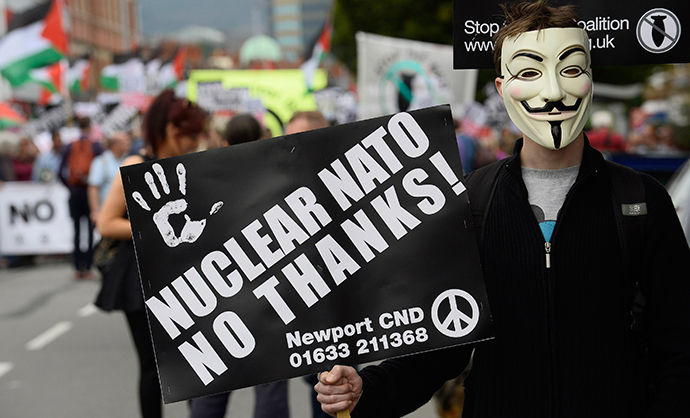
x=481, y=146
x=22, y=161
x=94, y=205
x=90, y=206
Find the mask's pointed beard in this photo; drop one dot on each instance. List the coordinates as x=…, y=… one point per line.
x=556, y=133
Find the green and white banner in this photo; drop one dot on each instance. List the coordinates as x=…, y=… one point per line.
x=398, y=75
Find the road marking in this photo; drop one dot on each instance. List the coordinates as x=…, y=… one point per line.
x=87, y=310
x=49, y=336
x=5, y=367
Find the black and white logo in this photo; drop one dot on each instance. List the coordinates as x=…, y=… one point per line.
x=658, y=30
x=457, y=320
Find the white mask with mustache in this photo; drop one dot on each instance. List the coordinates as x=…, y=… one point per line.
x=547, y=84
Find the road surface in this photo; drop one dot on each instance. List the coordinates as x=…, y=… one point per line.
x=62, y=357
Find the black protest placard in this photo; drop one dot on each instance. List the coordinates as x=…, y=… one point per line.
x=620, y=32
x=285, y=256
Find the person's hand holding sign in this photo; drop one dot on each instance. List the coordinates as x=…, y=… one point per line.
x=191, y=230
x=339, y=390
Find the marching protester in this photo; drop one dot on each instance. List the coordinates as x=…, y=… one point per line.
x=47, y=164
x=104, y=168
x=172, y=127
x=20, y=166
x=602, y=136
x=272, y=398
x=74, y=173
x=240, y=129
x=23, y=159
x=562, y=288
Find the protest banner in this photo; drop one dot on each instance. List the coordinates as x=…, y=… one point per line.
x=337, y=104
x=282, y=257
x=398, y=75
x=620, y=32
x=34, y=219
x=281, y=92
x=50, y=118
x=119, y=118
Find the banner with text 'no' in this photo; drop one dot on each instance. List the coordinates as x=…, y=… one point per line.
x=282, y=257
x=620, y=32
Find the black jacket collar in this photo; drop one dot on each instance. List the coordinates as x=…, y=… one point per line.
x=592, y=159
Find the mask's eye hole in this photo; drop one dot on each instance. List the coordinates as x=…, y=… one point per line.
x=529, y=75
x=573, y=71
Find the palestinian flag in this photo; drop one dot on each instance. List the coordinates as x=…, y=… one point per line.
x=9, y=117
x=78, y=74
x=46, y=86
x=153, y=64
x=151, y=67
x=322, y=46
x=171, y=71
x=53, y=79
x=125, y=74
x=34, y=39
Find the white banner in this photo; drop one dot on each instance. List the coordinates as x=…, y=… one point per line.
x=34, y=219
x=397, y=75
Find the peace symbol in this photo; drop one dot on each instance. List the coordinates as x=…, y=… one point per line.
x=457, y=323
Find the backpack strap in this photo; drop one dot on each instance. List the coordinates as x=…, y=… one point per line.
x=481, y=184
x=630, y=210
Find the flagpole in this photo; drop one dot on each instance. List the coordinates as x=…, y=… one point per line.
x=3, y=30
x=68, y=108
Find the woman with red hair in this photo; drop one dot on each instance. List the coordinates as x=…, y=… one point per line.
x=171, y=127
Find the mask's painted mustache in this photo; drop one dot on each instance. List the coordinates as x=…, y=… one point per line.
x=549, y=106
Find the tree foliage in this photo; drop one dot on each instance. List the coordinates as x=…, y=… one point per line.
x=428, y=21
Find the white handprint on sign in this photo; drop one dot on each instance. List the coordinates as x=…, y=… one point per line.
x=191, y=230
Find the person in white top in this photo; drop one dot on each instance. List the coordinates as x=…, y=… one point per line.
x=104, y=168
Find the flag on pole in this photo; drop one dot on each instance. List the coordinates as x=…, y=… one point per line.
x=45, y=86
x=151, y=67
x=322, y=46
x=78, y=74
x=9, y=116
x=52, y=79
x=171, y=71
x=34, y=39
x=154, y=62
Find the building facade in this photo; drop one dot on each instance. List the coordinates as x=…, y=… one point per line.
x=103, y=28
x=108, y=25
x=295, y=24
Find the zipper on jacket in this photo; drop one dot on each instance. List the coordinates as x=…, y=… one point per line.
x=554, y=407
x=547, y=247
x=554, y=395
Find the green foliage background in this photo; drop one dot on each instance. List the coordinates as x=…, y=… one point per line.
x=432, y=21
x=427, y=21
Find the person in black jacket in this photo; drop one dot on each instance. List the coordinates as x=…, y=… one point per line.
x=556, y=275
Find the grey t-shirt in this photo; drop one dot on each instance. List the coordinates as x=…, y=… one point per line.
x=546, y=193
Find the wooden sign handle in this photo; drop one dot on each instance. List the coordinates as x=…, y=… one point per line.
x=343, y=414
